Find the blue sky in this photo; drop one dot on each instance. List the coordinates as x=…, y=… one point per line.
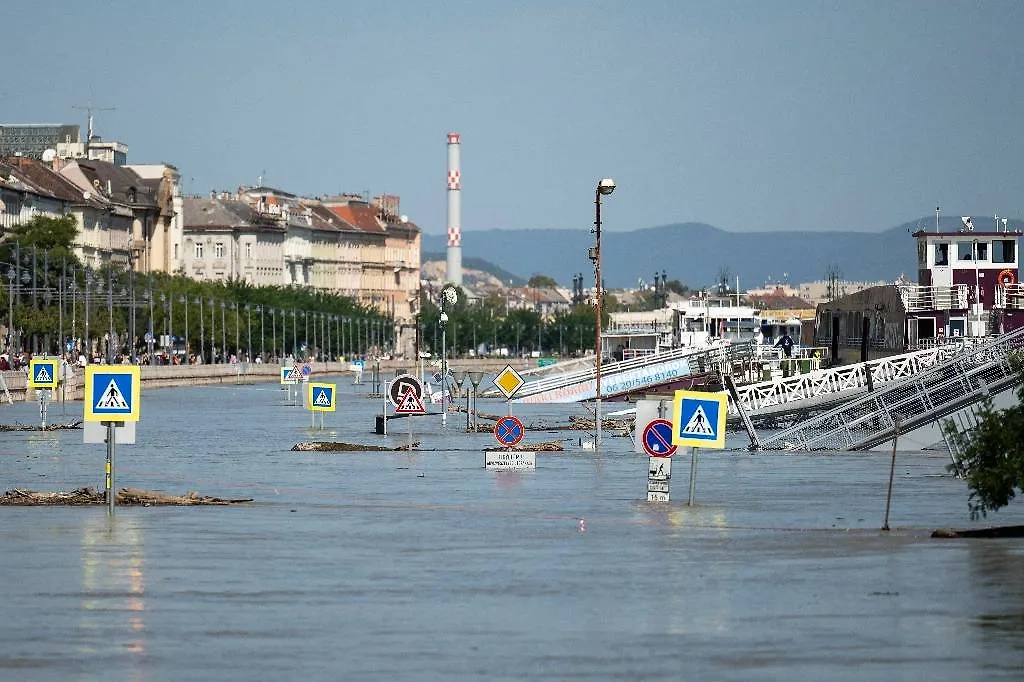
x=745, y=115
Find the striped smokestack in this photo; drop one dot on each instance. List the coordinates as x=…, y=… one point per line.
x=454, y=271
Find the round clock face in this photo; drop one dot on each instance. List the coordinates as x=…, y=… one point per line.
x=450, y=295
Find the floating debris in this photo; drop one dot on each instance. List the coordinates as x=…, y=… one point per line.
x=549, y=446
x=328, y=446
x=997, y=532
x=125, y=496
x=37, y=427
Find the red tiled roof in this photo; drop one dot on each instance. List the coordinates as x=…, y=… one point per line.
x=359, y=215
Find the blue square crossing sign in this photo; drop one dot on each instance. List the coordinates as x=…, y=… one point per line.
x=698, y=419
x=112, y=393
x=42, y=373
x=321, y=397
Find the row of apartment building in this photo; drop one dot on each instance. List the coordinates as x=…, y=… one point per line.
x=136, y=216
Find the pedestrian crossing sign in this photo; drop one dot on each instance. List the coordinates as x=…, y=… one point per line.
x=321, y=397
x=43, y=373
x=289, y=375
x=112, y=393
x=698, y=419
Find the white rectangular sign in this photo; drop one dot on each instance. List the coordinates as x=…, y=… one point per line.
x=657, y=486
x=660, y=469
x=657, y=497
x=509, y=460
x=96, y=432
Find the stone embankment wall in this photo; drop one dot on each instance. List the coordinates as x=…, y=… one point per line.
x=163, y=376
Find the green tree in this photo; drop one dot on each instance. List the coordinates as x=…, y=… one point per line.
x=991, y=455
x=542, y=282
x=53, y=235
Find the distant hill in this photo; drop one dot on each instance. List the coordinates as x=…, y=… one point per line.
x=695, y=253
x=474, y=264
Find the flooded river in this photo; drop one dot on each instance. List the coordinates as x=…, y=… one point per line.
x=425, y=566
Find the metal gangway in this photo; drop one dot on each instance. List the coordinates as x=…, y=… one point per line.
x=819, y=390
x=571, y=386
x=989, y=367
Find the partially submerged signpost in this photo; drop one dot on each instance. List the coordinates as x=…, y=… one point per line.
x=321, y=398
x=112, y=398
x=698, y=421
x=42, y=377
x=508, y=430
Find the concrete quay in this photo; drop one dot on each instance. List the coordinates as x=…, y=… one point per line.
x=167, y=376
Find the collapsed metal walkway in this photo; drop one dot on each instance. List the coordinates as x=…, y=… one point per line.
x=803, y=395
x=914, y=401
x=633, y=374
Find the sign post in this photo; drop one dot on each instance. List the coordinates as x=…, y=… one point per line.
x=43, y=375
x=698, y=420
x=321, y=398
x=112, y=397
x=657, y=443
x=508, y=382
x=410, y=404
x=509, y=431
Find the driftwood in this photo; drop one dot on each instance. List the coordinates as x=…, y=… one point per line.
x=584, y=424
x=37, y=427
x=549, y=446
x=125, y=496
x=997, y=532
x=323, y=446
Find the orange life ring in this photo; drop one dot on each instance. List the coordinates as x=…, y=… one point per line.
x=1007, y=277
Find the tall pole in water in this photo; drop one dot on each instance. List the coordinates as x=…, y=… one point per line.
x=936, y=220
x=604, y=187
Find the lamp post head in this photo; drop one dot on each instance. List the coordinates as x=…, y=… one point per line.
x=606, y=186
x=444, y=318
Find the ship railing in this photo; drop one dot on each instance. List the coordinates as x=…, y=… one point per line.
x=1009, y=296
x=918, y=298
x=912, y=401
x=698, y=359
x=817, y=383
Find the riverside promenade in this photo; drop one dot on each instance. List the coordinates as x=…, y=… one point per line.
x=167, y=376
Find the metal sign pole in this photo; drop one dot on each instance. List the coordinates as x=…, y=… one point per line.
x=693, y=475
x=42, y=406
x=409, y=419
x=111, y=495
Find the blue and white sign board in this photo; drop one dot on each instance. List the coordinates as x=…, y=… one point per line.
x=112, y=393
x=289, y=375
x=321, y=397
x=698, y=419
x=43, y=373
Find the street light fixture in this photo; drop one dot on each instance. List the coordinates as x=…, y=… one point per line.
x=604, y=187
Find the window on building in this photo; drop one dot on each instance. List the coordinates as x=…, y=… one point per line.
x=248, y=250
x=942, y=253
x=981, y=250
x=1004, y=251
x=199, y=250
x=218, y=250
x=965, y=250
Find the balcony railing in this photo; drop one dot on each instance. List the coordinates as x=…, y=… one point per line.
x=921, y=298
x=1009, y=296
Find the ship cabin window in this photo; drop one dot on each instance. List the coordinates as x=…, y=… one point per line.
x=1004, y=251
x=965, y=250
x=942, y=253
x=957, y=326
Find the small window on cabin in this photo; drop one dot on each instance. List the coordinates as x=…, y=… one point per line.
x=1004, y=251
x=982, y=249
x=964, y=251
x=942, y=253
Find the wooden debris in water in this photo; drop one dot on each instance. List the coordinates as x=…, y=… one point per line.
x=549, y=446
x=328, y=446
x=37, y=427
x=125, y=496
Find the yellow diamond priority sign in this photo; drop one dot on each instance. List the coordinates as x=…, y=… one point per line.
x=509, y=381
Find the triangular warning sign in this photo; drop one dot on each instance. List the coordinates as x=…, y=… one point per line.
x=322, y=400
x=112, y=399
x=410, y=403
x=698, y=424
x=42, y=376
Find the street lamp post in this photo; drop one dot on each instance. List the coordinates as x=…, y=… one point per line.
x=604, y=187
x=248, y=330
x=184, y=300
x=444, y=369
x=273, y=330
x=202, y=330
x=259, y=309
x=11, y=275
x=213, y=332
